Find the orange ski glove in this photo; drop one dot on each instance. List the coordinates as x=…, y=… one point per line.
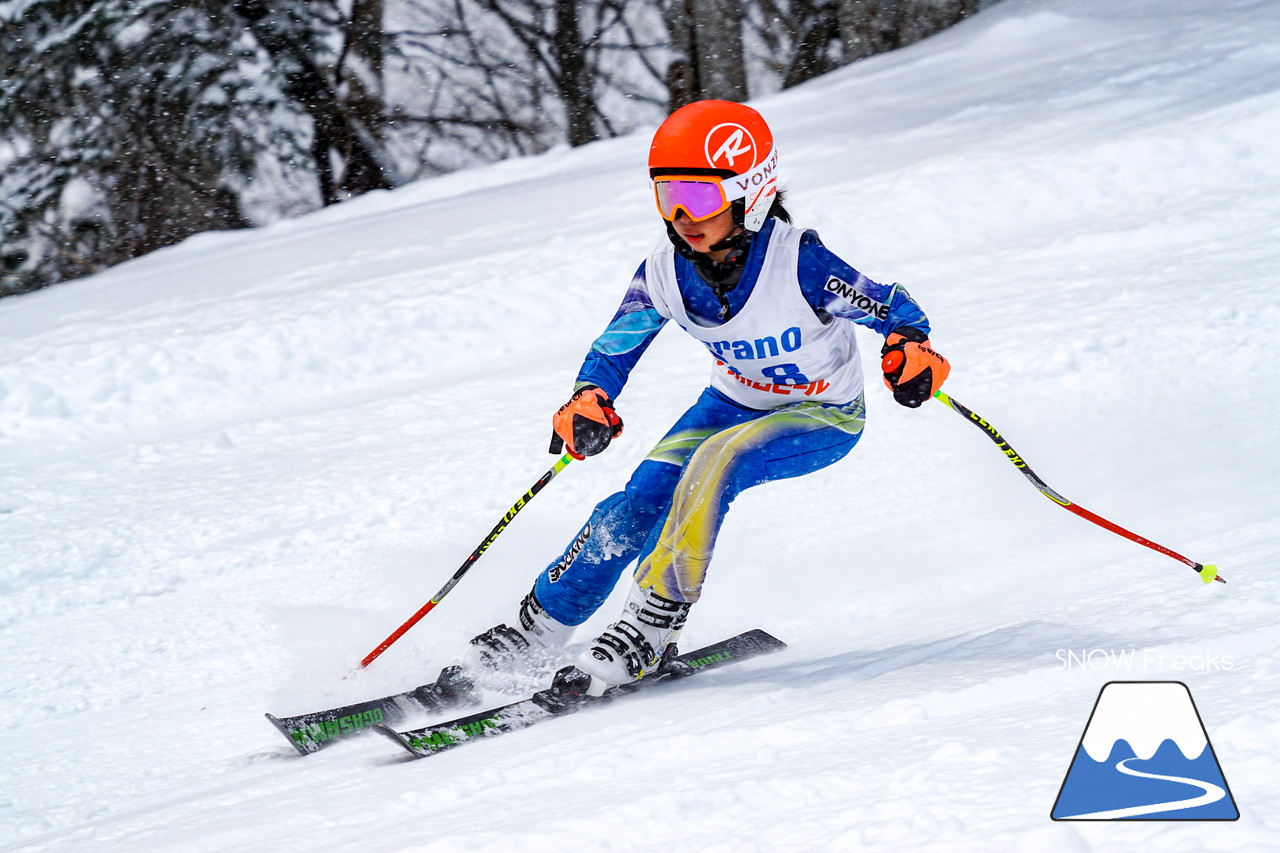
x=912, y=370
x=586, y=424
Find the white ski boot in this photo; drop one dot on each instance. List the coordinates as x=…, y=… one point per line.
x=633, y=646
x=534, y=641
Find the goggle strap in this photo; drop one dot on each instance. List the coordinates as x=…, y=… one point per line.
x=758, y=176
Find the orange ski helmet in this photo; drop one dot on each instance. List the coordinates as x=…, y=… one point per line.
x=728, y=143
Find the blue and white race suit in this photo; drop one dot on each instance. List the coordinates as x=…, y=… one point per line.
x=785, y=399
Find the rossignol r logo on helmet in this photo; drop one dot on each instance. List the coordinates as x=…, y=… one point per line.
x=733, y=140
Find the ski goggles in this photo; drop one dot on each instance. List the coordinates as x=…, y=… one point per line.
x=699, y=196
x=704, y=196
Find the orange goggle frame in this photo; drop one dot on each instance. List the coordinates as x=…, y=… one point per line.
x=699, y=196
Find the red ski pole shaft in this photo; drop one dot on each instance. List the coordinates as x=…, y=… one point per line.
x=470, y=561
x=1207, y=573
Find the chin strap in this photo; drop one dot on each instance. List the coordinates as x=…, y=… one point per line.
x=721, y=276
x=737, y=244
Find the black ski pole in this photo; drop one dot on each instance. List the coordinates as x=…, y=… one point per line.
x=470, y=561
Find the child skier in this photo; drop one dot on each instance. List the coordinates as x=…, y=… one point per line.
x=777, y=312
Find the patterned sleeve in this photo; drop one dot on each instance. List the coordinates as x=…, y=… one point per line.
x=619, y=347
x=835, y=289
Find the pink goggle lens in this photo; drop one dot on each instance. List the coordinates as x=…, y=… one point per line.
x=700, y=199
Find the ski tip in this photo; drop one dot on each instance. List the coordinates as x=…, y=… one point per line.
x=767, y=640
x=304, y=745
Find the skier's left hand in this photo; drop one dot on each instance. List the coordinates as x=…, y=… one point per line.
x=912, y=370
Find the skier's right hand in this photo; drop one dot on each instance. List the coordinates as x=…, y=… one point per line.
x=586, y=424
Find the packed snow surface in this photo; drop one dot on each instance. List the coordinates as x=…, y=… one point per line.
x=230, y=468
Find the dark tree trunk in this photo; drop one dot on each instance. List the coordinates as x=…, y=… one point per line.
x=336, y=128
x=577, y=88
x=868, y=27
x=364, y=95
x=811, y=53
x=721, y=61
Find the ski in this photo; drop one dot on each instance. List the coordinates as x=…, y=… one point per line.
x=313, y=732
x=567, y=695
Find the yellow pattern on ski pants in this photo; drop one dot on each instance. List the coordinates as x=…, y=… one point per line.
x=786, y=442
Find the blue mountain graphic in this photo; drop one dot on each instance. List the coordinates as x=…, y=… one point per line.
x=1101, y=786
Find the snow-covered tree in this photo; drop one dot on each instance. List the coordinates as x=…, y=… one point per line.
x=327, y=62
x=798, y=40
x=126, y=127
x=500, y=77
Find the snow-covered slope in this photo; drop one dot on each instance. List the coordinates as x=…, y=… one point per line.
x=228, y=469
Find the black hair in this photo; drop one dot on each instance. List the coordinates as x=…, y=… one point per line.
x=777, y=210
